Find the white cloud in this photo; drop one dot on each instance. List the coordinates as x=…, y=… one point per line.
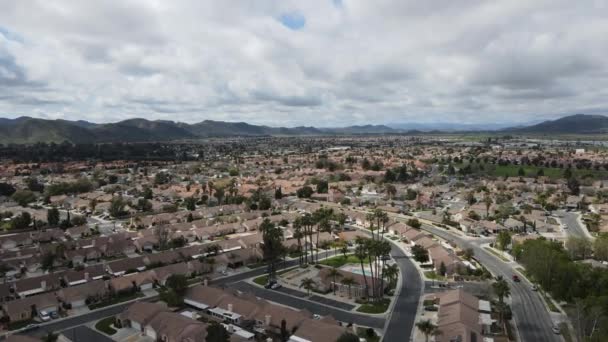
x=351, y=62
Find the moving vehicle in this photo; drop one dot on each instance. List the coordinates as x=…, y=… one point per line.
x=516, y=278
x=534, y=287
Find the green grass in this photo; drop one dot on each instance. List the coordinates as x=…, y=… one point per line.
x=374, y=308
x=433, y=275
x=339, y=261
x=262, y=280
x=116, y=300
x=496, y=254
x=531, y=171
x=105, y=326
x=20, y=324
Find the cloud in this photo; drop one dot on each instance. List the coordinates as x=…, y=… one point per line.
x=317, y=62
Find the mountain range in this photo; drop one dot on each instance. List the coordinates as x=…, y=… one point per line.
x=27, y=130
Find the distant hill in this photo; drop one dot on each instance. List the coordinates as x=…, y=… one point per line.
x=573, y=124
x=27, y=130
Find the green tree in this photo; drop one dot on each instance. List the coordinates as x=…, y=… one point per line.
x=272, y=247
x=420, y=254
x=334, y=274
x=304, y=192
x=190, y=203
x=501, y=289
x=23, y=197
x=442, y=269
x=579, y=248
x=503, y=239
x=217, y=333
x=308, y=284
x=414, y=223
x=600, y=248
x=117, y=206
x=178, y=283
x=348, y=337
x=427, y=328
x=348, y=282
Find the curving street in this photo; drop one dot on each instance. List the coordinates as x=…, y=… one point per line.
x=530, y=314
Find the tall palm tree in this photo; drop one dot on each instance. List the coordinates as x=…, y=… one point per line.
x=361, y=254
x=384, y=249
x=334, y=273
x=348, y=281
x=308, y=284
x=428, y=329
x=501, y=289
x=297, y=226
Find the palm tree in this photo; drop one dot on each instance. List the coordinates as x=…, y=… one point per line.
x=348, y=281
x=384, y=249
x=361, y=254
x=308, y=284
x=391, y=191
x=297, y=226
x=501, y=289
x=334, y=273
x=488, y=201
x=391, y=272
x=428, y=329
x=344, y=250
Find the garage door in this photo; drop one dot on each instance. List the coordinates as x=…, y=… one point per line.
x=136, y=326
x=78, y=303
x=151, y=333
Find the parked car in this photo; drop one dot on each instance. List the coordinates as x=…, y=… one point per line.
x=316, y=316
x=275, y=286
x=556, y=330
x=269, y=284
x=534, y=287
x=44, y=316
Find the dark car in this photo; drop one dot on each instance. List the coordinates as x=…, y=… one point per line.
x=516, y=278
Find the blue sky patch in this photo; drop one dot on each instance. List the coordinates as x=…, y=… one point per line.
x=293, y=20
x=10, y=35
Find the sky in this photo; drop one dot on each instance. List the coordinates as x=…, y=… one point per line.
x=315, y=62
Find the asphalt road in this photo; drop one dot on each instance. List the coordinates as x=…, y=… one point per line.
x=85, y=334
x=313, y=307
x=400, y=324
x=402, y=320
x=532, y=318
x=570, y=219
x=74, y=321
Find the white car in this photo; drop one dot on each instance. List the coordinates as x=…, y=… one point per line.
x=316, y=316
x=556, y=330
x=44, y=316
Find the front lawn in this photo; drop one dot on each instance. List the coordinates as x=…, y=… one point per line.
x=105, y=325
x=115, y=300
x=375, y=308
x=433, y=275
x=339, y=261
